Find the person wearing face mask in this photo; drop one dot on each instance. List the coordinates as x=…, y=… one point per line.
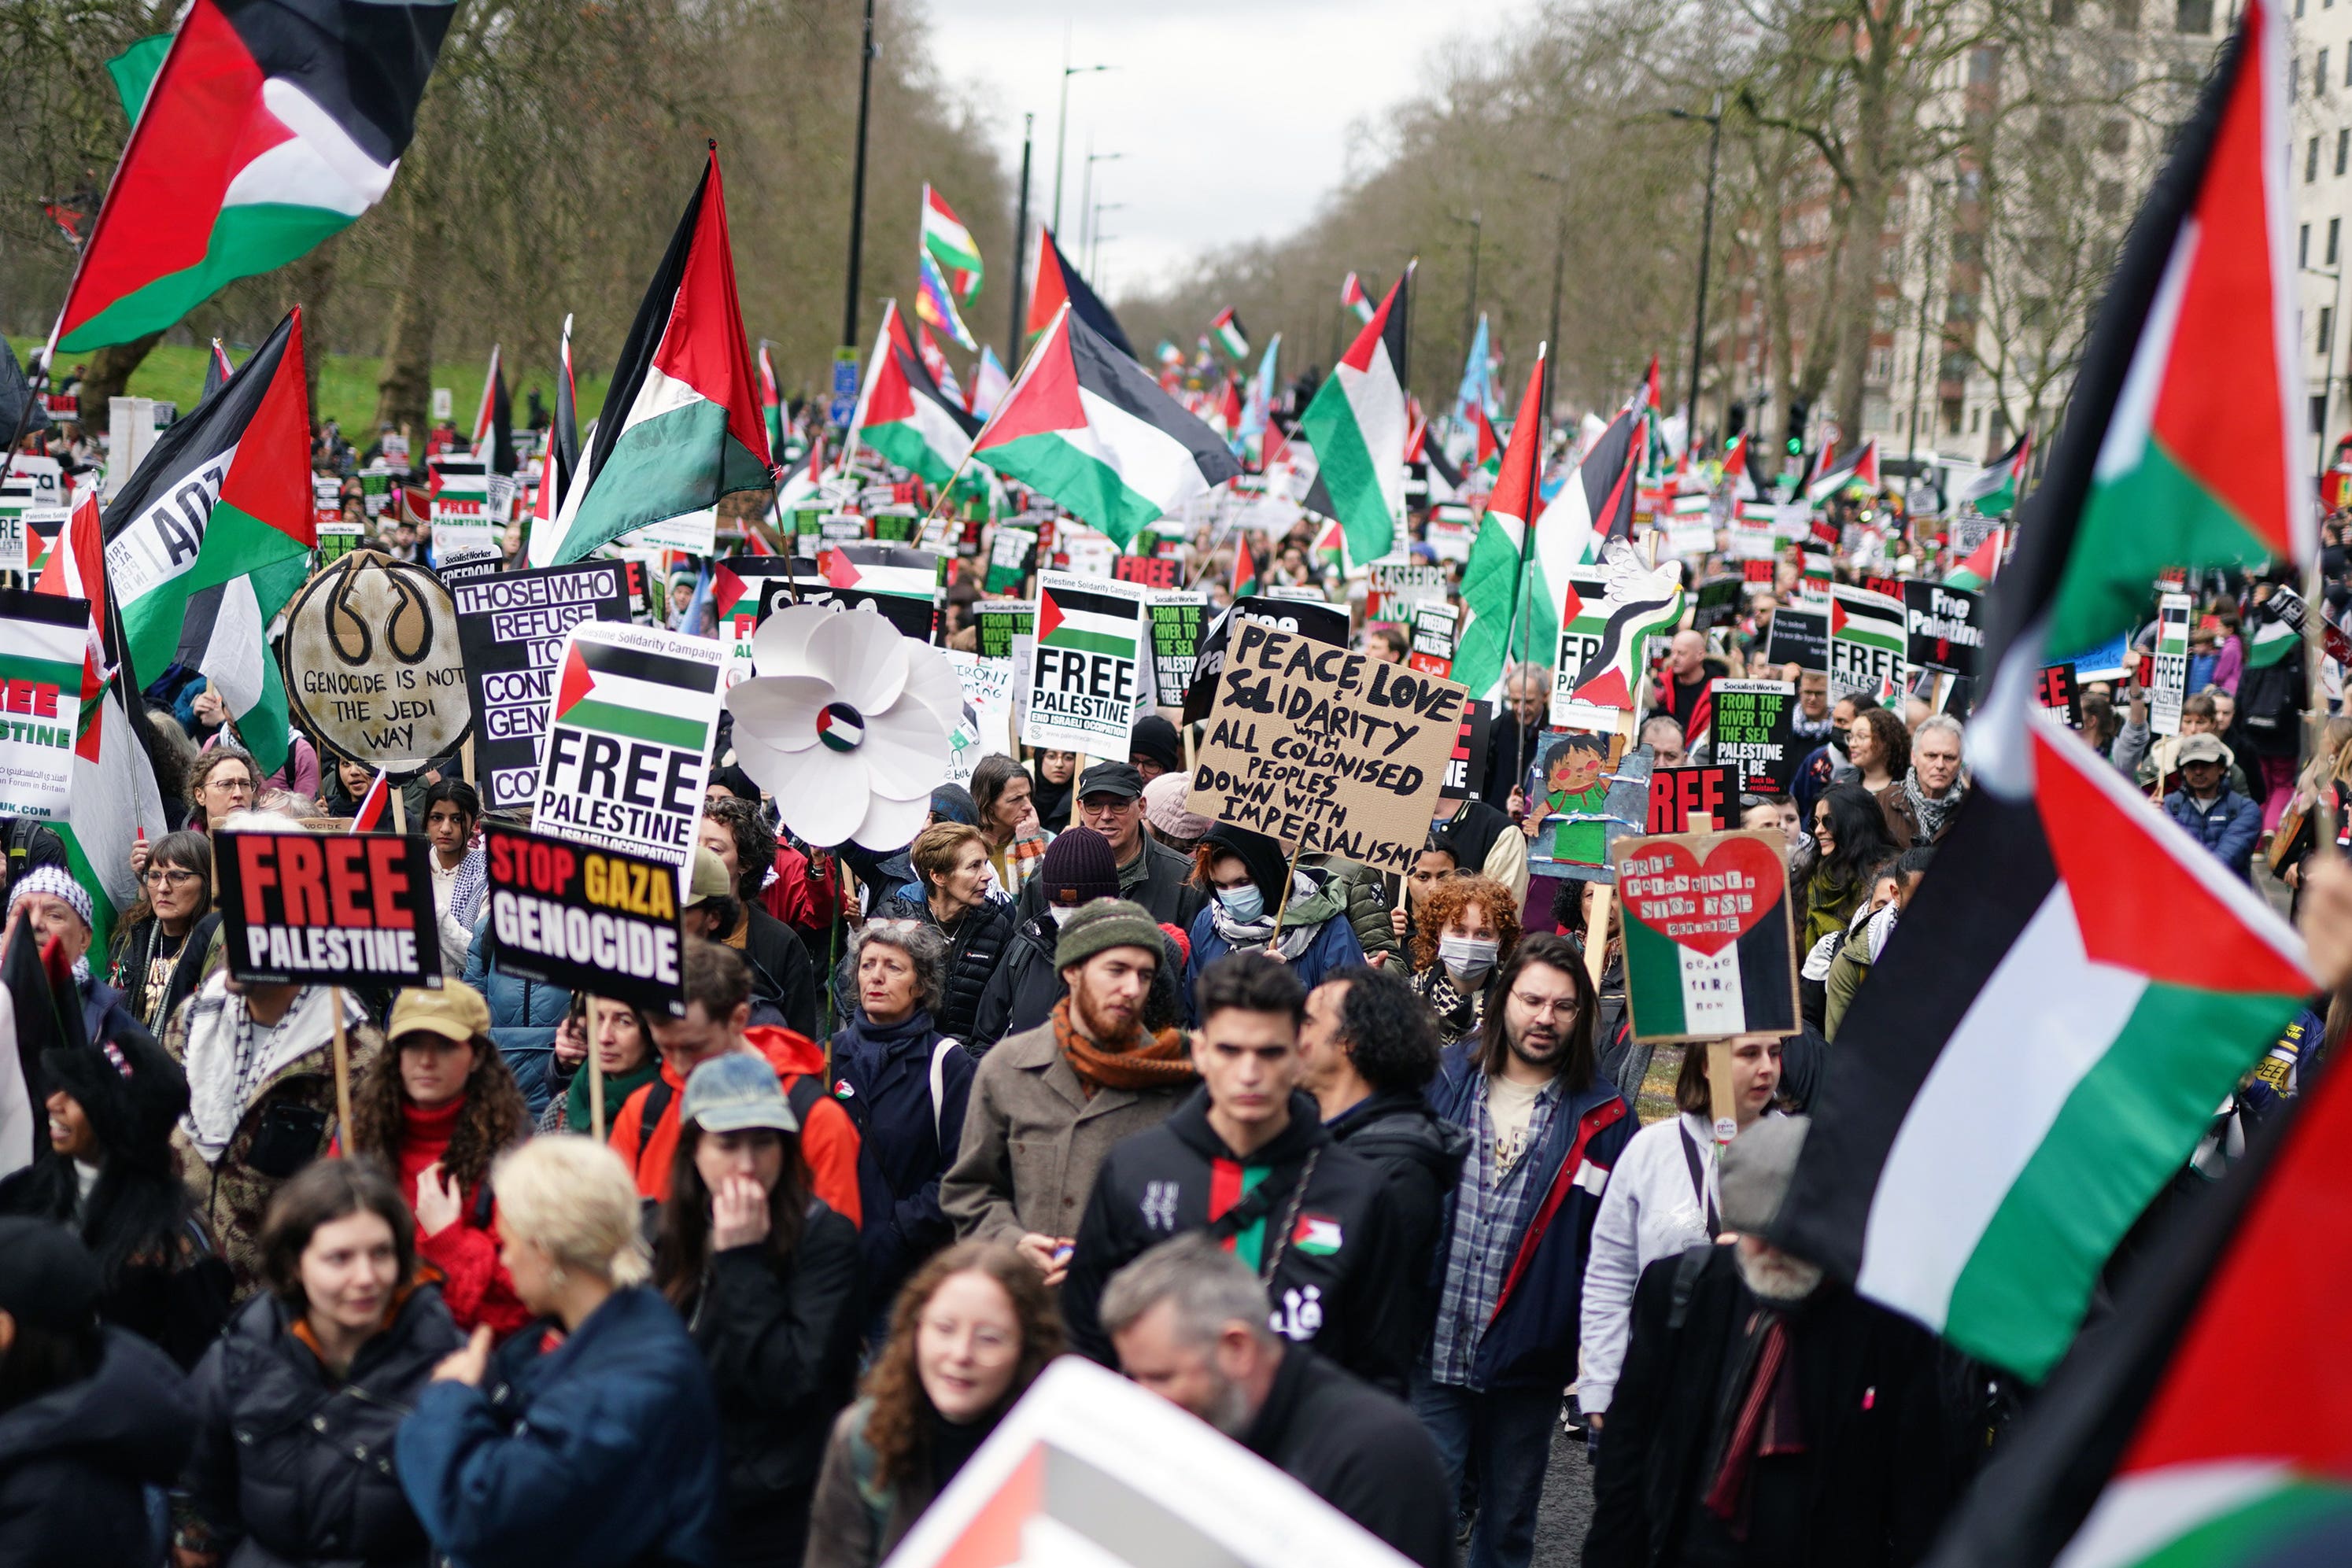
x=1247, y=876
x=1462, y=931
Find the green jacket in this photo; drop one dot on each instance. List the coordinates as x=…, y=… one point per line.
x=1360, y=890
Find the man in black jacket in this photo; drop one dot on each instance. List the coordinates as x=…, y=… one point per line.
x=1247, y=1159
x=1110, y=801
x=1187, y=1320
x=1367, y=1051
x=1766, y=1415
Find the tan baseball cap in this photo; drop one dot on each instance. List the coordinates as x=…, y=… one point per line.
x=708, y=879
x=456, y=1011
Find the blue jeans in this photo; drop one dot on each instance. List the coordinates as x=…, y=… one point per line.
x=1504, y=1437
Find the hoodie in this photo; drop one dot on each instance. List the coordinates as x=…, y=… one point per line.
x=646, y=1132
x=1419, y=1154
x=75, y=1461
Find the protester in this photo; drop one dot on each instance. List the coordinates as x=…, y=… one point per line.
x=1878, y=751
x=1165, y=818
x=969, y=1332
x=525, y=1015
x=1075, y=870
x=171, y=938
x=1187, y=1320
x=1922, y=805
x=1682, y=686
x=1544, y=1128
x=93, y=1420
x=1154, y=747
x=1054, y=774
x=625, y=1058
x=781, y=972
x=767, y=1278
x=1003, y=796
x=1048, y=1104
x=435, y=1108
x=951, y=862
x=452, y=814
x=1849, y=839
x=1464, y=932
x=906, y=1085
x=1111, y=802
x=57, y=909
x=1481, y=839
x=1262, y=904
x=1893, y=885
x=593, y=1439
x=2216, y=816
x=1664, y=735
x=1512, y=744
x=1309, y=1217
x=298, y=1401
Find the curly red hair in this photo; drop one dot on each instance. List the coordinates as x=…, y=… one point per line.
x=1435, y=911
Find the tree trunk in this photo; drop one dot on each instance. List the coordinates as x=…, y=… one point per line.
x=310, y=283
x=404, y=385
x=1865, y=226
x=108, y=372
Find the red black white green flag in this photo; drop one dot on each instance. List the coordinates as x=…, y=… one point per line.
x=903, y=413
x=1058, y=282
x=1356, y=425
x=272, y=125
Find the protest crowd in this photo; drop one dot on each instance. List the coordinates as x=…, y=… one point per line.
x=574, y=995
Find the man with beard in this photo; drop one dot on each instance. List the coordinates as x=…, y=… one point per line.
x=1511, y=746
x=1189, y=1321
x=1545, y=1128
x=1767, y=1415
x=1047, y=1103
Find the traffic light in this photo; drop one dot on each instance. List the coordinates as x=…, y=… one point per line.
x=1798, y=413
x=1735, y=422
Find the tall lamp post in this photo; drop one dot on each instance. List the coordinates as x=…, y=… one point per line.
x=1714, y=119
x=857, y=179
x=1062, y=124
x=1020, y=243
x=1086, y=196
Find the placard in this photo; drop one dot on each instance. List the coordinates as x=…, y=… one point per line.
x=1323, y=622
x=334, y=909
x=1150, y=571
x=1607, y=617
x=1436, y=634
x=43, y=525
x=1943, y=627
x=337, y=541
x=1011, y=554
x=1395, y=591
x=1326, y=751
x=2169, y=686
x=1589, y=788
x=511, y=628
x=2111, y=660
x=984, y=727
x=1085, y=678
x=1676, y=793
x=1753, y=731
x=12, y=557
x=1467, y=766
x=1710, y=936
x=586, y=919
x=629, y=739
x=42, y=640
x=903, y=585
x=2056, y=691
x=1175, y=620
x=374, y=668
x=1867, y=642
x=1799, y=637
x=1717, y=602
x=998, y=623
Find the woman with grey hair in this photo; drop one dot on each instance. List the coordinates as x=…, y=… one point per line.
x=904, y=1083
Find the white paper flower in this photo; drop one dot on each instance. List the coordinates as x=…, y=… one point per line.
x=845, y=722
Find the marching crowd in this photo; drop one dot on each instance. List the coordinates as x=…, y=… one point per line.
x=1376, y=1183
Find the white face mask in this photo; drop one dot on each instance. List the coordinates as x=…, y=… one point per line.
x=1467, y=958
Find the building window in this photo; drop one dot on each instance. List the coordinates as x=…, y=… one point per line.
x=1951, y=416
x=2294, y=75
x=2311, y=161
x=2319, y=76
x=1976, y=421
x=2303, y=247
x=2325, y=343
x=2343, y=149
x=2335, y=233
x=2193, y=16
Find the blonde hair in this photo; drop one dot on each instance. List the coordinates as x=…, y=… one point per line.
x=575, y=1200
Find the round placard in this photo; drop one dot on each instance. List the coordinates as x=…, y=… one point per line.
x=372, y=666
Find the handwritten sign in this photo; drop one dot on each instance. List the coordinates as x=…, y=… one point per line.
x=374, y=667
x=1710, y=937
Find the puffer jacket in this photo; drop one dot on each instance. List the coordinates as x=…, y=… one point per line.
x=976, y=948
x=1361, y=893
x=74, y=1463
x=296, y=1465
x=524, y=1015
x=2228, y=828
x=1333, y=946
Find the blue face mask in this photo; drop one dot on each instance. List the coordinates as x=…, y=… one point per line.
x=1246, y=902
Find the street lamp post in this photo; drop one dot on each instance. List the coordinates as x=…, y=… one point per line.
x=1020, y=242
x=1714, y=119
x=1062, y=124
x=1087, y=195
x=1094, y=237
x=857, y=179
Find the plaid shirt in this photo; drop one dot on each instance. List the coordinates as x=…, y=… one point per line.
x=1490, y=1206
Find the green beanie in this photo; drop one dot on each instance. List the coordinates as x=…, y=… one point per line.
x=1105, y=923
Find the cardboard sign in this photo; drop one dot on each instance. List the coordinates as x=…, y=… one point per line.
x=2108, y=662
x=43, y=524
x=1589, y=788
x=904, y=586
x=2056, y=691
x=1601, y=661
x=336, y=909
x=1011, y=554
x=1754, y=732
x=585, y=919
x=1717, y=603
x=42, y=640
x=1712, y=791
x=1322, y=622
x=1175, y=621
x=1325, y=750
x=1436, y=634
x=374, y=668
x=1151, y=571
x=1710, y=937
x=2170, y=689
x=1000, y=623
x=1580, y=634
x=12, y=557
x=1867, y=641
x=511, y=629
x=984, y=727
x=1085, y=679
x=629, y=739
x=1467, y=765
x=1756, y=570
x=1799, y=637
x=1943, y=627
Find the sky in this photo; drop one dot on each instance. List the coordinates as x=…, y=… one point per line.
x=1231, y=119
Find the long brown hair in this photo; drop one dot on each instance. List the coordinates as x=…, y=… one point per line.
x=898, y=1431
x=682, y=1248
x=496, y=1116
x=1577, y=1064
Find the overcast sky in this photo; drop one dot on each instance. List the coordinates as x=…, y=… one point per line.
x=1232, y=118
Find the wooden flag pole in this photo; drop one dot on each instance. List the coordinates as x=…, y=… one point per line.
x=1283, y=907
x=2315, y=653
x=343, y=1072
x=595, y=1094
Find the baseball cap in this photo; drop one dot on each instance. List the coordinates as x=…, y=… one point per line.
x=456, y=1011
x=2202, y=749
x=736, y=1092
x=710, y=879
x=1111, y=778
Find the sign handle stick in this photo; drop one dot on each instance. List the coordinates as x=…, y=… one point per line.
x=1596, y=931
x=595, y=1094
x=1722, y=1104
x=1192, y=751
x=343, y=1071
x=1283, y=907
x=2314, y=652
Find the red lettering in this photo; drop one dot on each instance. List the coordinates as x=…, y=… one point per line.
x=257, y=870
x=501, y=856
x=388, y=881
x=345, y=878
x=1663, y=818
x=298, y=863
x=45, y=702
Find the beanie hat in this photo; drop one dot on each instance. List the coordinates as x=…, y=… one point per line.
x=1178, y=943
x=48, y=1278
x=953, y=803
x=1163, y=807
x=57, y=883
x=1155, y=737
x=1078, y=867
x=1105, y=923
x=130, y=1089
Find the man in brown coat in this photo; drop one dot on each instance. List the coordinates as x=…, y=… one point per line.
x=1047, y=1103
x=1921, y=805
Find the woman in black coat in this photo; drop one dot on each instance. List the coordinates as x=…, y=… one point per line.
x=299, y=1400
x=950, y=863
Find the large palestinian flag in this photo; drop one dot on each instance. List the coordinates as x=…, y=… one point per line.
x=1993, y=493
x=681, y=426
x=1596, y=504
x=1496, y=603
x=1084, y=424
x=634, y=693
x=272, y=124
x=1357, y=426
x=493, y=438
x=212, y=534
x=902, y=412
x=2036, y=1052
x=1057, y=284
x=2179, y=443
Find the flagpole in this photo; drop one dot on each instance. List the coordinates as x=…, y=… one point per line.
x=1522, y=616
x=987, y=425
x=2314, y=654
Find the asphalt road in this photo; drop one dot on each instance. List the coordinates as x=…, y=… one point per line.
x=1567, y=1507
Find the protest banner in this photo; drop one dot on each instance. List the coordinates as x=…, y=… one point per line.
x=1582, y=629
x=906, y=586
x=1175, y=620
x=1717, y=602
x=1754, y=732
x=895, y=524
x=629, y=739
x=12, y=557
x=1085, y=677
x=2110, y=661
x=1799, y=637
x=586, y=919
x=1082, y=552
x=337, y=541
x=2056, y=691
x=326, y=499
x=1710, y=937
x=1395, y=591
x=1943, y=627
x=1000, y=623
x=374, y=668
x=1676, y=793
x=1590, y=788
x=1450, y=538
x=1866, y=641
x=335, y=909
x=1436, y=633
x=1752, y=542
x=511, y=628
x=1757, y=571
x=1469, y=759
x=42, y=640
x=1011, y=556
x=2169, y=686
x=1323, y=622
x=1887, y=587
x=985, y=725
x=42, y=526
x=1326, y=751
x=1149, y=570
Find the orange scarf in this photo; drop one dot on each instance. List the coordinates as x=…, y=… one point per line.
x=1161, y=1062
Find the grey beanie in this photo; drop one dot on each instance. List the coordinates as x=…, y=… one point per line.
x=1105, y=923
x=1755, y=1170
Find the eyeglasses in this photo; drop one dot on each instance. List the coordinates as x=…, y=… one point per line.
x=169, y=876
x=1546, y=1006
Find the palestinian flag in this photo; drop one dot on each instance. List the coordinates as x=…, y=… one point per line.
x=681, y=426
x=906, y=584
x=1316, y=1235
x=1735, y=471
x=949, y=245
x=1353, y=299
x=212, y=534
x=2040, y=1048
x=1081, y=621
x=1993, y=493
x=1499, y=614
x=271, y=125
x=1227, y=330
x=1085, y=426
x=1703, y=937
x=2275, y=628
x=901, y=411
x=936, y=307
x=1057, y=284
x=1820, y=566
x=493, y=438
x=370, y=815
x=560, y=459
x=1489, y=458
x=2179, y=443
x=631, y=693
x=1860, y=469
x=1595, y=504
x=772, y=397
x=1636, y=603
x=1244, y=570
x=216, y=369
x=1444, y=478
x=1983, y=564
x=1357, y=426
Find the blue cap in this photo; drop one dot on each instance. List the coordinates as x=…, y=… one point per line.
x=736, y=1092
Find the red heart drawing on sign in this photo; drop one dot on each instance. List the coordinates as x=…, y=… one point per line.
x=1674, y=892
